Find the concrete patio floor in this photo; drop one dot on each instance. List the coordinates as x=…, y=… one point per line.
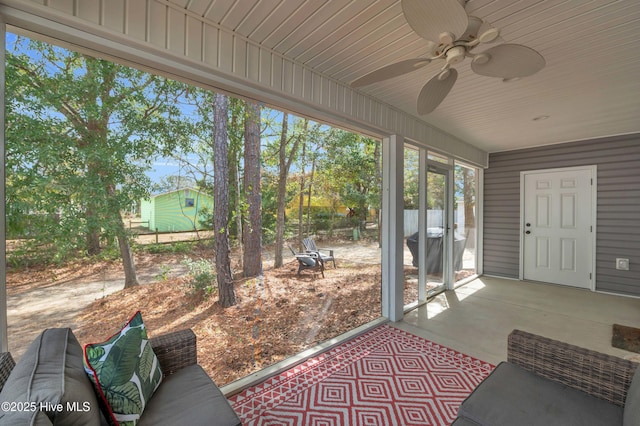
x=477, y=317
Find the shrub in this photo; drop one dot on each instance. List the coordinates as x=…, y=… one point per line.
x=173, y=247
x=203, y=277
x=164, y=273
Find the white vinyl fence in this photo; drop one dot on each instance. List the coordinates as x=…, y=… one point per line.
x=434, y=219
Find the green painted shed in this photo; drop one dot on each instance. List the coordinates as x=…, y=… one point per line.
x=175, y=211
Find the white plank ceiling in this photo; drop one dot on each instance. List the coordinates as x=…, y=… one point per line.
x=589, y=88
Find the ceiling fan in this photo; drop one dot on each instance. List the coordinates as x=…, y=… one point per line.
x=452, y=37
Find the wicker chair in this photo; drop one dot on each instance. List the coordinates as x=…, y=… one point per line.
x=174, y=351
x=548, y=382
x=185, y=396
x=603, y=376
x=6, y=365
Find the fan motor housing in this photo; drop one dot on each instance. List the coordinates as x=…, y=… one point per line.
x=456, y=54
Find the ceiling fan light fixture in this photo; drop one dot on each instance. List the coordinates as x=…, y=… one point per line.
x=447, y=38
x=489, y=35
x=481, y=58
x=472, y=31
x=444, y=74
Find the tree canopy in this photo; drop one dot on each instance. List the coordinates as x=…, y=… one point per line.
x=81, y=132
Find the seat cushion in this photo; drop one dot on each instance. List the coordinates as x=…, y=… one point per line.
x=632, y=402
x=514, y=396
x=30, y=418
x=307, y=260
x=463, y=421
x=51, y=374
x=188, y=397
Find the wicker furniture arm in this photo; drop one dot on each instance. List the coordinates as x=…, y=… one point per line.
x=6, y=365
x=603, y=376
x=175, y=350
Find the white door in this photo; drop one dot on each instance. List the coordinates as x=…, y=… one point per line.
x=558, y=226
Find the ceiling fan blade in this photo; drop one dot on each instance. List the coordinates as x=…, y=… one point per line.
x=431, y=18
x=509, y=61
x=434, y=92
x=390, y=71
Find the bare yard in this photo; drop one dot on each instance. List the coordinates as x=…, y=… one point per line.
x=276, y=316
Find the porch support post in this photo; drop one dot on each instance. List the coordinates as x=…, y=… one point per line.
x=423, y=186
x=479, y=220
x=449, y=265
x=392, y=227
x=4, y=342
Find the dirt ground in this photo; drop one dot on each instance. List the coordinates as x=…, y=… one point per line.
x=276, y=316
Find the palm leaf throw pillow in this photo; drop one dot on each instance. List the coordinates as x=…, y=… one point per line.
x=125, y=372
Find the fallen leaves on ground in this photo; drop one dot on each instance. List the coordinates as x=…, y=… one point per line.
x=277, y=316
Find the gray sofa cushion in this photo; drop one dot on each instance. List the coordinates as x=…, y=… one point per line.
x=632, y=402
x=188, y=387
x=463, y=421
x=30, y=418
x=513, y=396
x=51, y=371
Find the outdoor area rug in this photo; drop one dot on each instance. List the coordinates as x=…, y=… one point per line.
x=383, y=377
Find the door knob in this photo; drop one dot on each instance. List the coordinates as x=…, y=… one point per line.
x=527, y=224
x=527, y=232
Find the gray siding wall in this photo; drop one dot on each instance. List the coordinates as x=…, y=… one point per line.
x=618, y=211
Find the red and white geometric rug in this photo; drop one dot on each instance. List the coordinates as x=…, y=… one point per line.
x=383, y=377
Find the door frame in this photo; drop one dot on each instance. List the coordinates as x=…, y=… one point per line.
x=593, y=169
x=445, y=170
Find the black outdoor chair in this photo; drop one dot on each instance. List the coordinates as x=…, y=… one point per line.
x=310, y=247
x=308, y=261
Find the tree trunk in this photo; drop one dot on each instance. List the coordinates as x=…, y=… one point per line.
x=234, y=175
x=313, y=170
x=282, y=192
x=252, y=259
x=92, y=237
x=227, y=295
x=284, y=165
x=378, y=159
x=333, y=219
x=92, y=210
x=238, y=212
x=128, y=264
x=301, y=201
x=469, y=206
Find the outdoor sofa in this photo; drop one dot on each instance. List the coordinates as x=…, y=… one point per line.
x=546, y=382
x=49, y=385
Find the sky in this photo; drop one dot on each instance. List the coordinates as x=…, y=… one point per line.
x=163, y=167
